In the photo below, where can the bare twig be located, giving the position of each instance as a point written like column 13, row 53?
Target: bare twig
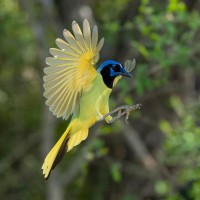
column 139, row 148
column 127, row 110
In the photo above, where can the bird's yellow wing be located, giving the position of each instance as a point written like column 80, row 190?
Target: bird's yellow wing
column 71, row 69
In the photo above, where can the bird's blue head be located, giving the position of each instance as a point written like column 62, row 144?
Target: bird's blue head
column 110, row 69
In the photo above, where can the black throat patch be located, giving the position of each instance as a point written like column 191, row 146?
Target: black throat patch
column 108, row 80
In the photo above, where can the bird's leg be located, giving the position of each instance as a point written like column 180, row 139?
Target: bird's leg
column 119, row 113
column 127, row 116
column 122, row 110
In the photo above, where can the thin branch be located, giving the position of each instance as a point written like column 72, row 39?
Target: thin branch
column 127, row 111
column 139, row 148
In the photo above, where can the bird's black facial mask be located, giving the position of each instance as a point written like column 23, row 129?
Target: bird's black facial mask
column 118, row 69
column 111, row 71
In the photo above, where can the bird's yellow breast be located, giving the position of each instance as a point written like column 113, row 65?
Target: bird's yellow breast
column 92, row 101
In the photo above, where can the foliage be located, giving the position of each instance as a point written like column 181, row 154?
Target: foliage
column 182, row 148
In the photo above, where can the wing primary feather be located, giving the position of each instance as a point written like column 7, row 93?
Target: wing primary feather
column 65, row 46
column 94, row 37
column 53, row 61
column 100, row 45
column 72, row 41
column 53, row 98
column 69, row 98
column 78, row 34
column 61, row 54
column 70, row 105
column 52, row 90
column 67, row 112
column 66, row 64
column 56, row 76
column 55, row 91
column 55, row 83
column 55, row 86
column 87, row 33
column 55, row 69
column 61, row 107
column 67, row 103
column 59, row 102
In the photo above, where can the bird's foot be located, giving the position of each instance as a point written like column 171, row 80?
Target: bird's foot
column 122, row 110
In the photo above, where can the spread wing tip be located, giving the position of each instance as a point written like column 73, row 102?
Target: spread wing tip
column 130, row 65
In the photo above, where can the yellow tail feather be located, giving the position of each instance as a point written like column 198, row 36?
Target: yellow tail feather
column 76, row 138
column 68, row 140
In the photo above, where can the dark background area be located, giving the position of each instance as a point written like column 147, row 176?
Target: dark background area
column 157, row 155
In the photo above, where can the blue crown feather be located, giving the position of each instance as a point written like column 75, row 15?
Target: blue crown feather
column 108, row 62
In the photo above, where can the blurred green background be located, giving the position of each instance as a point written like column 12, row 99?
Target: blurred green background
column 157, row 155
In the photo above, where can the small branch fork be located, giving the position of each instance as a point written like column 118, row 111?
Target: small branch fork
column 122, row 110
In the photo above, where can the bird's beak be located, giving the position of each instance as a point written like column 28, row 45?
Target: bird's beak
column 125, row 73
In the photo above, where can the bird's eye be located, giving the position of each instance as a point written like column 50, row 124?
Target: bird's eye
column 117, row 68
column 113, row 66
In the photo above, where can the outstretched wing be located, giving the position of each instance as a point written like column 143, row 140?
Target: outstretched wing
column 71, row 69
column 129, row 65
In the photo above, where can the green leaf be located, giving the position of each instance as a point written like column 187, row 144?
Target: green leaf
column 166, row 127
column 162, row 187
column 115, row 172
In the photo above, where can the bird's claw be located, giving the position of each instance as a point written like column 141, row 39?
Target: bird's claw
column 122, row 110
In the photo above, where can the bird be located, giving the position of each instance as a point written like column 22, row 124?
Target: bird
column 74, row 87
